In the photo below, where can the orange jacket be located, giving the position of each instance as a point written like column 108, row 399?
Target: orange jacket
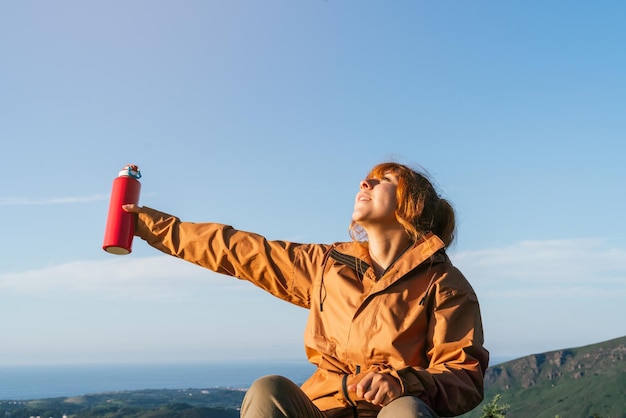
column 419, row 322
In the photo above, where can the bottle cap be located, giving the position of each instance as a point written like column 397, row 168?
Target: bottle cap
column 131, row 170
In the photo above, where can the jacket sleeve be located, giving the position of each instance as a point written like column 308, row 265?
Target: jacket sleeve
column 281, row 268
column 453, row 382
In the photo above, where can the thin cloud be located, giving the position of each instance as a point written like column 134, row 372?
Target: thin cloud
column 537, row 296
column 24, row 201
column 160, row 277
column 553, row 268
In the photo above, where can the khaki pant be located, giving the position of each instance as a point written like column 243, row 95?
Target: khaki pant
column 278, row 397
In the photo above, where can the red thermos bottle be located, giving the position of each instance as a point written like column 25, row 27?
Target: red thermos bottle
column 120, row 227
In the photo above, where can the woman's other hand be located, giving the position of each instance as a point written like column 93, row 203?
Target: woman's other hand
column 377, row 388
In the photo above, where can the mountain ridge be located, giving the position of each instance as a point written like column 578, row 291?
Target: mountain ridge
column 581, row 382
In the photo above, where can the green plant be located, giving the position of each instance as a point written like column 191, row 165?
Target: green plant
column 494, row 409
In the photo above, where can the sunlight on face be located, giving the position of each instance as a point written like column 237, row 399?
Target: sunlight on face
column 376, row 201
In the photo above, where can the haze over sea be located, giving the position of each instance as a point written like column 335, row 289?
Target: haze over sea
column 49, row 381
column 26, row 382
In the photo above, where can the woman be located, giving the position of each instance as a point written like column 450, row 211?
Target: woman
column 394, row 328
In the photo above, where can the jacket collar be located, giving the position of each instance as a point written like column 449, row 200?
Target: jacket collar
column 356, row 256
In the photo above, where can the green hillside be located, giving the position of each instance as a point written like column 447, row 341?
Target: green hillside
column 581, row 382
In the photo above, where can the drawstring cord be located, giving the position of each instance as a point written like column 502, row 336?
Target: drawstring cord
column 322, row 285
column 322, row 293
column 346, row 395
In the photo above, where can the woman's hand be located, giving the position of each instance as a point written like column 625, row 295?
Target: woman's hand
column 377, row 388
column 131, row 208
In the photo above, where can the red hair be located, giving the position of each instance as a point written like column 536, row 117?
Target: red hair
column 420, row 208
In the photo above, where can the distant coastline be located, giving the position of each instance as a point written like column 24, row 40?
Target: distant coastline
column 25, row 382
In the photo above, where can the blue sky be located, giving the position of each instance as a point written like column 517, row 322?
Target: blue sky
column 265, row 115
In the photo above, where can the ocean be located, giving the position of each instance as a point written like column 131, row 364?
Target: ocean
column 52, row 381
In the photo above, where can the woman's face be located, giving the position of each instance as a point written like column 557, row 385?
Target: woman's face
column 376, row 201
